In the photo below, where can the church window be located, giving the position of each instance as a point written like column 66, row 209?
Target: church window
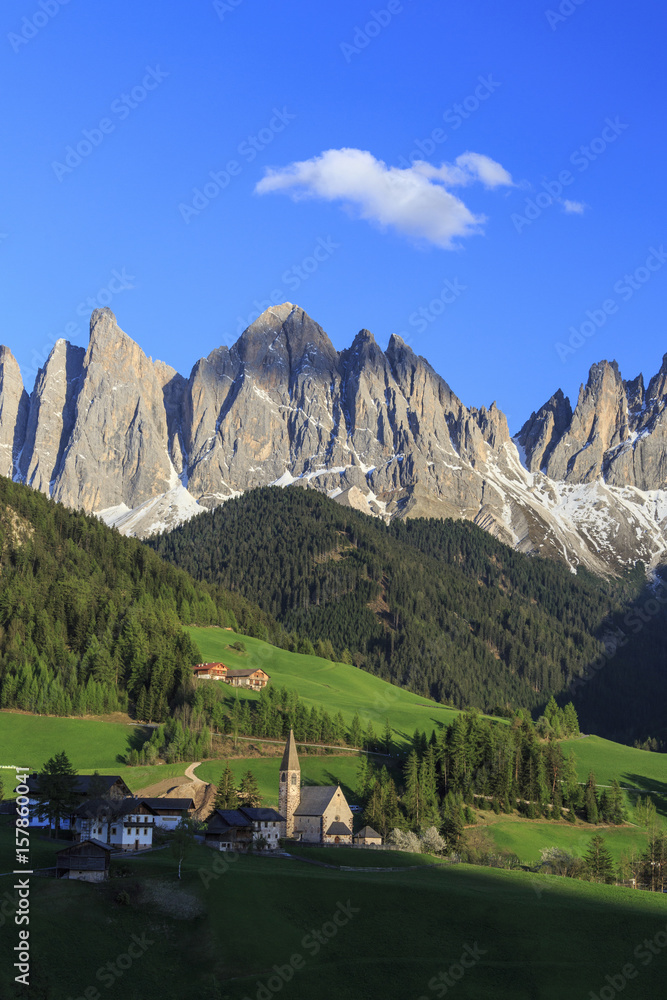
column 283, row 776
column 294, row 779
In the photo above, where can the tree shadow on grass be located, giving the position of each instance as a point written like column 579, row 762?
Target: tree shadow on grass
column 135, row 741
column 647, row 786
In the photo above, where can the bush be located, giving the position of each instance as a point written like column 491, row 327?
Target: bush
column 432, row 842
column 405, row 840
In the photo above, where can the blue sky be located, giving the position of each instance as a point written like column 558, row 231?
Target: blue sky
column 327, row 108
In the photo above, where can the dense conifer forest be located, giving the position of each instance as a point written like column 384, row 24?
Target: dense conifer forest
column 439, row 607
column 91, row 621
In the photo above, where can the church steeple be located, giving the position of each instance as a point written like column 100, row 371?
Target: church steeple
column 289, row 792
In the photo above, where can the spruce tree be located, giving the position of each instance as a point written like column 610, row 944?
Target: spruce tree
column 248, row 793
column 590, row 800
column 56, row 790
column 226, row 796
column 412, row 798
column 598, row 862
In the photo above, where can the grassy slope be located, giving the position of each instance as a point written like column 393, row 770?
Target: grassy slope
column 328, row 770
column 30, row 740
column 335, row 686
column 541, row 937
column 526, row 838
column 91, row 745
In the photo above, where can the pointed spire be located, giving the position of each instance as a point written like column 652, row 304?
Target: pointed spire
column 290, row 761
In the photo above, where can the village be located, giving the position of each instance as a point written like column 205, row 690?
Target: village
column 110, row 821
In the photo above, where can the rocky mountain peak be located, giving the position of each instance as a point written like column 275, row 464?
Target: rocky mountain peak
column 14, row 404
column 109, row 430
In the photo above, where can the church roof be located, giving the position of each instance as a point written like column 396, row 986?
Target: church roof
column 338, row 830
column 290, row 761
column 368, row 832
column 315, row 799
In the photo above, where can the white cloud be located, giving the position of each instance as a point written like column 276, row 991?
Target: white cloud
column 576, row 207
column 413, row 201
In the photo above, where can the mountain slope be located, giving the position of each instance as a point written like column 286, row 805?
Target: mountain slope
column 88, row 618
column 439, row 607
column 111, row 431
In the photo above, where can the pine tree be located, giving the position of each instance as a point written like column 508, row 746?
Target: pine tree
column 590, row 800
column 653, row 862
column 412, row 798
column 226, row 795
column 356, row 734
column 598, row 862
column 56, row 790
column 387, row 737
column 248, row 793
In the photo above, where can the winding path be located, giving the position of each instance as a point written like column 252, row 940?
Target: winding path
column 190, row 773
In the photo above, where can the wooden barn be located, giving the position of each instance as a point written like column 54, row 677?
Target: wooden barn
column 87, row 861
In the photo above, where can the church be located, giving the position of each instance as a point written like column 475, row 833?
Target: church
column 316, row 814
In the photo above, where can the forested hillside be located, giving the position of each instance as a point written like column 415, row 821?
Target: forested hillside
column 89, row 619
column 439, row 607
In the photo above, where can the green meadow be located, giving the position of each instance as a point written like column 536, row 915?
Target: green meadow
column 29, row 740
column 335, row 686
column 526, row 838
column 264, row 927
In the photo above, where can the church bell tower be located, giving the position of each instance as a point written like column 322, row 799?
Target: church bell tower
column 289, row 794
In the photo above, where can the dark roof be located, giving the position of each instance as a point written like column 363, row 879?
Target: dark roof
column 178, row 805
column 111, row 808
column 73, row 848
column 83, row 782
column 367, row 831
column 315, row 799
column 227, row 818
column 338, row 830
column 262, row 814
column 290, row 761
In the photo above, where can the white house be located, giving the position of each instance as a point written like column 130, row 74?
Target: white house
column 169, row 812
column 113, row 786
column 126, row 825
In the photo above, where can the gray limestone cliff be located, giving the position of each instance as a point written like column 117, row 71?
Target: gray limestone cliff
column 109, row 430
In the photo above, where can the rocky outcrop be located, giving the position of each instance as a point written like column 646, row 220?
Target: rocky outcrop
column 109, row 430
column 14, row 406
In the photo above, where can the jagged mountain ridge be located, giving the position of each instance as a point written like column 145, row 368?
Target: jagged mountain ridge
column 111, row 431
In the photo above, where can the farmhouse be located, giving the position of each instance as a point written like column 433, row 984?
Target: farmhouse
column 210, row 671
column 237, row 829
column 111, row 785
column 253, row 679
column 169, row 812
column 87, row 861
column 248, row 678
column 316, row 814
column 124, row 824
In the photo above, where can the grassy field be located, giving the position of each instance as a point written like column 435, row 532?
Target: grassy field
column 526, row 838
column 335, row 686
column 383, row 936
column 90, row 744
column 29, row 740
column 638, row 769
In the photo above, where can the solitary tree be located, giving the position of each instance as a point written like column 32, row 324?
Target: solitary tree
column 598, row 861
column 183, row 840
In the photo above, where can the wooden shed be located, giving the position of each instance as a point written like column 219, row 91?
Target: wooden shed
column 87, row 861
